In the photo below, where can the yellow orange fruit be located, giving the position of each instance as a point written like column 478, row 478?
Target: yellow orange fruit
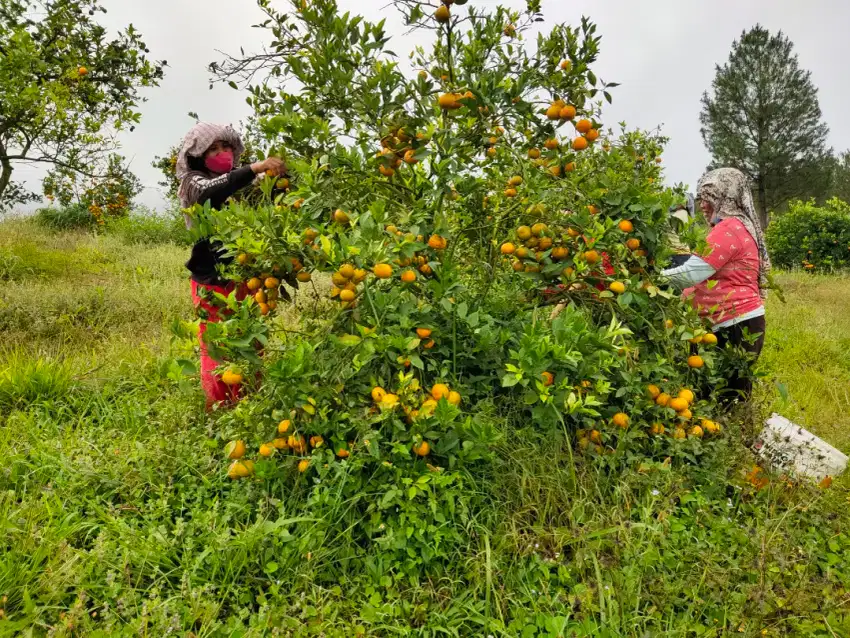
column 710, row 339
column 626, row 226
column 595, row 436
column 568, row 112
column 235, row 450
column 592, row 135
column 523, row 232
column 679, row 433
column 440, row 391
column 442, row 14
column 240, row 469
column 82, row 71
column 408, row 276
column 696, row 431
column 657, row 429
column 341, row 217
column 633, row 243
column 383, row 271
column 343, row 453
column 231, row 377
column 663, row 399
column 617, row 287
column 534, row 153
column 389, row 400
column 551, row 144
column 591, row 257
column 423, row 333
column 686, row 414
column 304, row 277
column 303, row 465
column 570, row 167
column 378, row 393
column 436, row 242
column 580, row 143
column 266, row 450
column 272, row 283
column 516, row 180
column 565, row 65
column 687, row 395
column 254, row 284
column 283, row 426
column 653, row 391
column 583, row 126
column 554, row 110
column 695, row 361
column 454, row 398
column 678, row 404
column 548, row 378
column 316, row 441
column 621, row 420
column 508, row 248
column 422, row 449
column 510, row 192
column 280, row 444
column 668, row 323
column 347, row 295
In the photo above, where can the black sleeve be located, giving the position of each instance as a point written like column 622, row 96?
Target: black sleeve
column 216, row 190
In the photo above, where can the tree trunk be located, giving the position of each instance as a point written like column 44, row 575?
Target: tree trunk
column 761, row 202
column 6, row 172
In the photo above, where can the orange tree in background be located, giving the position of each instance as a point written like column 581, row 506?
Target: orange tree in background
column 430, row 222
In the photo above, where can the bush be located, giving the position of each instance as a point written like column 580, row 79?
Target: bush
column 143, row 226
column 812, row 237
column 71, row 217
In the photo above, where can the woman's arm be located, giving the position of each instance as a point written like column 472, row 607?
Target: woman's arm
column 694, row 271
column 217, row 190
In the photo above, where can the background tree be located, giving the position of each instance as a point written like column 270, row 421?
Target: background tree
column 66, row 86
column 763, row 118
column 841, row 177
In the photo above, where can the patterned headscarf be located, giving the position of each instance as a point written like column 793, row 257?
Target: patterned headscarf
column 195, row 144
column 728, row 192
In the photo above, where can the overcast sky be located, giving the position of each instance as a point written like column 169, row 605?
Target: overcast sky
column 662, row 52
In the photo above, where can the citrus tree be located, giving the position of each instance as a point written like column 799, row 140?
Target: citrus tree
column 433, row 218
column 67, row 86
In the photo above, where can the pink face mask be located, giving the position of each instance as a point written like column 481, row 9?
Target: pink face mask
column 221, row 163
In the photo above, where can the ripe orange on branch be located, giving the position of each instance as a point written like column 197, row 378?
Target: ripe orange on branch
column 583, row 126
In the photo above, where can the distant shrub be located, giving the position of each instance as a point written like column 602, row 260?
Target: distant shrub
column 811, row 237
column 70, row 217
column 143, row 226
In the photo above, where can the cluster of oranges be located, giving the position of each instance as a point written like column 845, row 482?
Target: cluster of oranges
column 287, row 440
column 561, row 112
column 681, row 406
column 398, row 148
column 537, row 246
column 345, row 282
column 266, row 291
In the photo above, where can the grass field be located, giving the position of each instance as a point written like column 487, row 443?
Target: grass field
column 116, row 518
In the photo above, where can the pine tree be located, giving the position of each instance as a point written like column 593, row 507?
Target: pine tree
column 763, row 118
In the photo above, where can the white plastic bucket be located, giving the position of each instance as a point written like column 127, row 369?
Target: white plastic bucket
column 787, row 446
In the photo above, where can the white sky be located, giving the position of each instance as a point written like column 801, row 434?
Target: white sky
column 662, row 52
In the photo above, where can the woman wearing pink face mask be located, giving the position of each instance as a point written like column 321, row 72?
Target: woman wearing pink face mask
column 207, row 173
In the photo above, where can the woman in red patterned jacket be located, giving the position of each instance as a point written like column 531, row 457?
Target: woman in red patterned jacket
column 207, row 173
column 729, row 284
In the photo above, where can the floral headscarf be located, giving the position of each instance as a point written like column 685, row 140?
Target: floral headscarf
column 195, row 144
column 728, row 192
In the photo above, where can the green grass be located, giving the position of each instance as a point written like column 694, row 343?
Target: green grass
column 117, row 519
column 807, row 351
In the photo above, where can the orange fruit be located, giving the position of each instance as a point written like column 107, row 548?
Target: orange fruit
column 583, row 126
column 517, row 266
column 573, row 232
column 240, row 469
column 548, row 378
column 686, row 414
column 508, row 248
column 304, row 277
column 568, row 112
column 555, row 171
column 264, row 309
column 695, row 361
column 579, row 143
column 408, row 276
column 378, row 393
column 383, row 271
column 303, row 465
column 534, row 153
column 254, row 284
column 272, row 304
column 243, row 259
column 425, row 269
column 272, row 282
column 82, row 71
column 570, row 167
column 687, row 395
column 545, row 243
column 617, row 287
column 347, row 295
column 280, row 444
column 641, row 253
column 429, row 344
column 657, row 429
column 678, row 404
column 410, row 157
column 668, row 324
column 653, row 391
column 596, row 436
column 593, row 209
column 442, row 14
column 565, row 65
column 343, row 453
column 621, row 420
column 591, row 257
column 449, row 101
column 347, row 271
column 316, row 441
column 235, row 450
column 436, row 242
column 663, row 399
column 359, row 275
column 454, row 398
column 658, row 160
column 710, row 339
column 696, row 431
column 626, row 226
column 389, row 401
column 440, row 391
column 423, row 333
column 338, row 279
column 592, row 135
column 559, row 253
column 554, row 111
column 510, row 192
column 679, row 434
column 266, row 450
column 386, row 171
column 341, row 217
column 422, row 449
column 231, row 377
column 633, row 243
column 491, row 152
column 538, row 229
column 516, row 180
column 522, row 252
column 283, row 426
column 260, row 297
column 551, row 144
column 523, row 232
